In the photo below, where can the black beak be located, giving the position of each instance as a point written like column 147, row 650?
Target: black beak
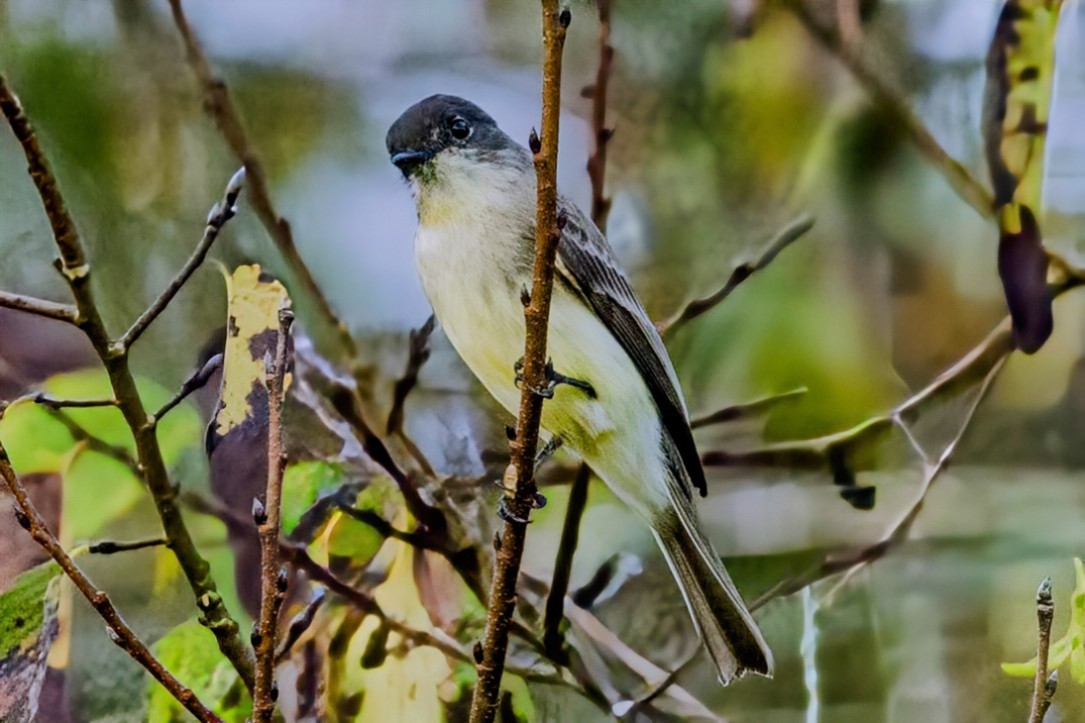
column 409, row 161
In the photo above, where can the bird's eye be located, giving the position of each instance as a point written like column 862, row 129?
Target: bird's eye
column 459, row 128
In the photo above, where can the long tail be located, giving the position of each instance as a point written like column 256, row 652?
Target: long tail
column 725, row 626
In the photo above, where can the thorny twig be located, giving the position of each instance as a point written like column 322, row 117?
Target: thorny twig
column 118, row 630
column 418, row 354
column 784, row 238
column 220, row 106
column 521, row 472
column 1043, row 686
column 75, row 268
column 600, row 210
column 267, row 516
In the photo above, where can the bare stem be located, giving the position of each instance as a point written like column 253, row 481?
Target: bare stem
column 39, row 307
column 1042, row 690
column 563, row 565
column 783, row 238
column 196, row 381
column 220, row 214
column 220, row 106
column 119, row 631
column 273, row 580
column 75, row 269
column 521, row 473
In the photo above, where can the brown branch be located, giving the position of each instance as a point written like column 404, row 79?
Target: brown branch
column 39, row 307
column 974, row 193
column 520, row 475
column 195, row 381
column 220, row 214
column 268, row 516
column 597, row 162
column 563, row 565
column 1043, row 687
column 76, row 271
column 220, row 106
column 126, row 638
column 783, row 238
column 418, row 355
column 600, row 209
column 898, row 534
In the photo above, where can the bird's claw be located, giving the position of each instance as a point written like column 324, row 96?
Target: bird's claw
column 508, row 515
column 553, row 379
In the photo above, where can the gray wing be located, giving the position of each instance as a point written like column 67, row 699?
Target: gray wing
column 587, row 265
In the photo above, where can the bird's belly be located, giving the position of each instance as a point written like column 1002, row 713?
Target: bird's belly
column 483, row 318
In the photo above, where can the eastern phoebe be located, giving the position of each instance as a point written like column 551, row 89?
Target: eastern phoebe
column 474, row 188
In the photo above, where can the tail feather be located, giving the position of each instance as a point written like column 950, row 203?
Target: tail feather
column 725, row 626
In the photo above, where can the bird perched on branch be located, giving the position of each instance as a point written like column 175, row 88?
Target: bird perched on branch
column 616, row 400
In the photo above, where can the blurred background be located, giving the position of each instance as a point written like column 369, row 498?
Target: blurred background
column 730, row 120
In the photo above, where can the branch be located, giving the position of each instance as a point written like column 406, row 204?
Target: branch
column 220, row 106
column 76, row 271
column 783, row 238
column 126, row 638
column 95, row 443
column 563, row 565
column 746, row 409
column 974, row 193
column 1043, row 687
column 898, row 534
column 196, row 380
column 109, row 547
column 521, row 471
column 299, row 624
column 418, row 355
column 600, row 209
column 220, row 214
column 53, row 403
column 39, row 307
column 267, row 515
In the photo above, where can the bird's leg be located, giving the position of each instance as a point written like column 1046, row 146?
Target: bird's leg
column 552, row 445
column 553, row 379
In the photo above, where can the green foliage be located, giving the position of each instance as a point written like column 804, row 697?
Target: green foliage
column 191, row 655
column 1070, row 646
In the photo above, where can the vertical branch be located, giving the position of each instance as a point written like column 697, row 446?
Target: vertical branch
column 118, row 630
column 600, row 209
column 75, row 269
column 1043, row 687
column 273, row 579
column 520, row 475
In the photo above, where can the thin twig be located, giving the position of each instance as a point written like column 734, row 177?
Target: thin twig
column 600, row 210
column 39, row 307
column 644, row 701
column 417, row 356
column 267, row 515
column 220, row 214
column 563, row 564
column 29, row 518
column 898, row 534
column 784, row 238
column 75, row 269
column 746, row 409
column 220, row 106
column 1045, row 614
column 110, row 547
column 521, row 471
column 93, row 442
column 195, row 381
column 299, row 624
column 53, row 403
column 960, row 178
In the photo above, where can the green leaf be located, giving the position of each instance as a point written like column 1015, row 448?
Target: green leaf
column 347, row 537
column 190, row 653
column 303, row 484
column 28, row 627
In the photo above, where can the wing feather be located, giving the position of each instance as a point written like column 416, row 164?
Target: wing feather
column 587, row 265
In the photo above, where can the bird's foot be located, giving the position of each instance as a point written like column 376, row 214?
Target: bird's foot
column 508, row 515
column 553, row 379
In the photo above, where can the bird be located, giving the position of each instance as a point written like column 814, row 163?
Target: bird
column 616, row 402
